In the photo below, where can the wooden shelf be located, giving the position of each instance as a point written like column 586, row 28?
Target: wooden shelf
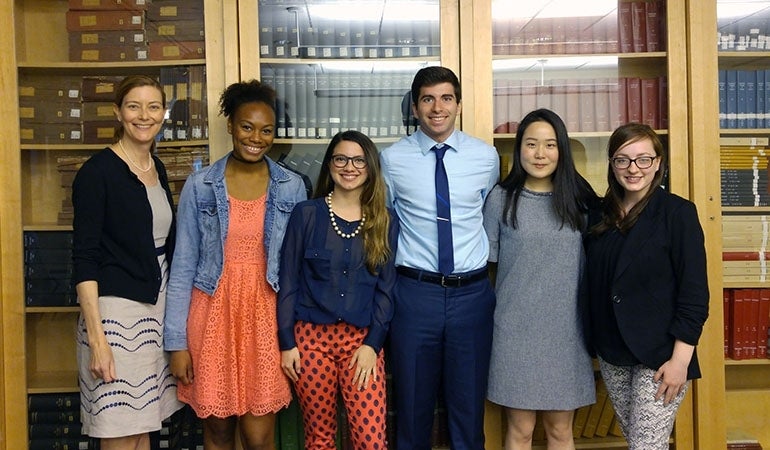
column 641, row 55
column 96, row 147
column 81, row 67
column 747, row 362
column 351, row 62
column 52, row 382
column 52, row 309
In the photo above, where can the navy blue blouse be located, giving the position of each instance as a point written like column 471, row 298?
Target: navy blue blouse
column 324, row 279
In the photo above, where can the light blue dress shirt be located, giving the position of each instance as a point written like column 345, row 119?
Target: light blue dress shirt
column 473, row 168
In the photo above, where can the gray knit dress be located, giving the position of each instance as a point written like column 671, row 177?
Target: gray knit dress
column 539, row 360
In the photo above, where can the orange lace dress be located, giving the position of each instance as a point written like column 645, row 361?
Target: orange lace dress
column 232, row 335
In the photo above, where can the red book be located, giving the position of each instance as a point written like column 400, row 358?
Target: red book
column 559, row 97
column 559, row 36
column 652, row 22
column 726, row 299
column 613, row 104
column 752, row 323
column 663, row 102
column 602, row 104
column 514, row 104
column 571, row 37
column 639, row 26
column 622, row 102
column 500, row 101
column 735, row 350
column 650, row 102
column 572, row 117
column 634, row 99
column 625, row 32
column 587, row 108
column 528, row 96
column 745, row 256
column 586, row 34
column 764, row 322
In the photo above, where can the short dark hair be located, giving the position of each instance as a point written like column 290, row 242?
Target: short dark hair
column 252, row 91
column 431, row 76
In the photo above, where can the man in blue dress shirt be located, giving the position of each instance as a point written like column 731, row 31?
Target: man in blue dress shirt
column 442, row 329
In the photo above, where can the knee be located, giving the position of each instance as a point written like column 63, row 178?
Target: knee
column 262, row 440
column 219, row 432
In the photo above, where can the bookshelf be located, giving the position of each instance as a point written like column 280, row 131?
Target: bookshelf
column 743, row 68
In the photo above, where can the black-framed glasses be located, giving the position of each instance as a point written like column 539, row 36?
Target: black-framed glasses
column 642, row 162
column 340, row 161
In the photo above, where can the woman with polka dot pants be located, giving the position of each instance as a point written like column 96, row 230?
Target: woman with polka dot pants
column 335, row 303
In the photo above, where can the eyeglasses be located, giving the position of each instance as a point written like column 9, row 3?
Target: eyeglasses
column 642, row 162
column 340, row 161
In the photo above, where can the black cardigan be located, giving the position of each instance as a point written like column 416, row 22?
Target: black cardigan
column 113, row 240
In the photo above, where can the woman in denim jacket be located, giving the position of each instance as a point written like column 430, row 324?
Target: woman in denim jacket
column 221, row 312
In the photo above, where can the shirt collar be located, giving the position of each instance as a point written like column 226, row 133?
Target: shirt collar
column 426, row 144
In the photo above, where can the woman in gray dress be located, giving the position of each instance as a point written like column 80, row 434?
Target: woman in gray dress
column 534, row 219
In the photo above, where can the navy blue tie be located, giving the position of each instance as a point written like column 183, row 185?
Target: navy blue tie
column 446, row 260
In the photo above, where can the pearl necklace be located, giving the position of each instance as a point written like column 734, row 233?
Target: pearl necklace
column 120, row 143
column 334, row 221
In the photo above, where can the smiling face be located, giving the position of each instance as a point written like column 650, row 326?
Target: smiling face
column 252, row 126
column 539, row 156
column 141, row 113
column 635, row 181
column 348, row 177
column 436, row 109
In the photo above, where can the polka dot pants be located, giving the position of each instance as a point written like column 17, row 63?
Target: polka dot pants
column 325, row 352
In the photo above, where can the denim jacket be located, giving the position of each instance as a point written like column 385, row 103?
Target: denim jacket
column 202, row 224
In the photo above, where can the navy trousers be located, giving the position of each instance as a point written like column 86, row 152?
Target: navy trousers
column 441, row 338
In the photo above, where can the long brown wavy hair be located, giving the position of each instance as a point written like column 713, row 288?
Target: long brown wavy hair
column 613, row 207
column 375, row 230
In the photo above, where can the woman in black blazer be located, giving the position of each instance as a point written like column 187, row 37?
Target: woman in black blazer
column 648, row 292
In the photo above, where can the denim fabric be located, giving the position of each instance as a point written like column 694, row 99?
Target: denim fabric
column 202, row 223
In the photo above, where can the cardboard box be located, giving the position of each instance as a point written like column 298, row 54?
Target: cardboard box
column 165, row 10
column 46, row 111
column 181, row 30
column 105, row 20
column 177, row 50
column 109, row 53
column 91, row 5
column 115, row 37
column 50, row 88
column 51, row 133
column 99, row 132
column 100, row 89
column 98, row 111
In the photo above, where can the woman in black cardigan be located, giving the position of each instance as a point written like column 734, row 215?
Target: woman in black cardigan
column 648, row 291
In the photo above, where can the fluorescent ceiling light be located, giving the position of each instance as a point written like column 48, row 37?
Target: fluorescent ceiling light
column 368, row 10
column 508, row 9
column 727, row 9
column 577, row 62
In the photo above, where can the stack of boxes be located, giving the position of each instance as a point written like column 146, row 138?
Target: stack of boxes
column 135, row 30
column 175, row 29
column 50, row 112
column 107, row 30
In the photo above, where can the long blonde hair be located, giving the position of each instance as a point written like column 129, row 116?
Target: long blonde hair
column 375, row 230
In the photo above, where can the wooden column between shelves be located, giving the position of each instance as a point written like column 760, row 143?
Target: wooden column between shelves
column 13, row 432
column 703, row 126
column 221, row 21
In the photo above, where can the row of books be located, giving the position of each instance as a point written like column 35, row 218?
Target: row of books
column 48, row 269
column 744, row 177
column 597, row 420
column 744, row 98
column 741, row 34
column 584, row 105
column 292, row 33
column 54, row 424
column 313, row 103
column 637, row 26
column 747, row 316
column 179, row 162
column 744, row 241
column 135, row 30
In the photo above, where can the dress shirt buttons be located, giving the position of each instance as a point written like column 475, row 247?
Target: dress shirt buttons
column 616, row 298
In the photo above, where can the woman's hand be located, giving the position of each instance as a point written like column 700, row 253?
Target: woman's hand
column 365, row 360
column 672, row 375
column 290, row 364
column 181, row 366
column 102, row 364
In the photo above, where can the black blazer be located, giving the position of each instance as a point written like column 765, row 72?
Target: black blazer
column 660, row 288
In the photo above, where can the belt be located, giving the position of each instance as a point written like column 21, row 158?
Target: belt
column 447, row 281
